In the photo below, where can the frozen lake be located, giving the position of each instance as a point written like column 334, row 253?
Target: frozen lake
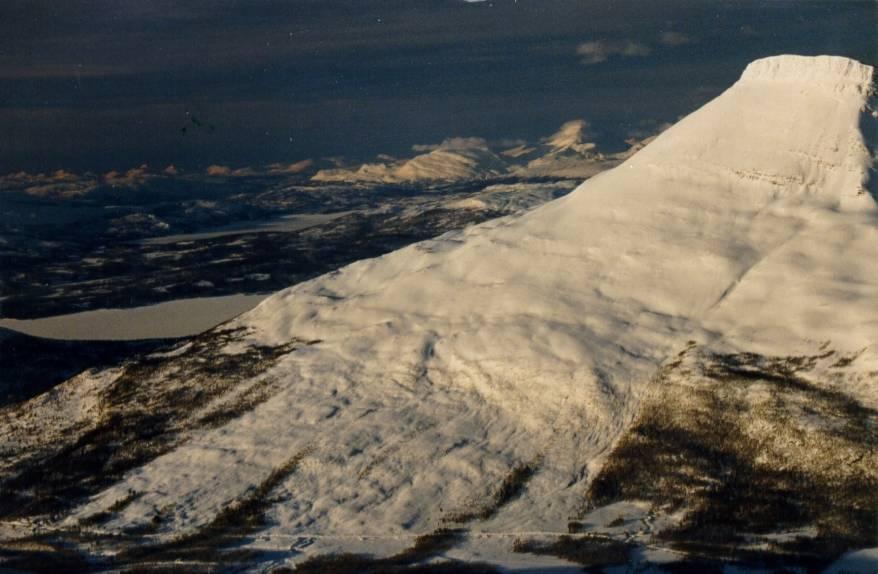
column 178, row 318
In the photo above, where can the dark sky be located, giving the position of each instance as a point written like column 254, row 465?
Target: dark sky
column 100, row 85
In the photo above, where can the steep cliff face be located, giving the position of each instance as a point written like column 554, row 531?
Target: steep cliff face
column 484, row 378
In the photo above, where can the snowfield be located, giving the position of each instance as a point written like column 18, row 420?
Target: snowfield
column 483, row 379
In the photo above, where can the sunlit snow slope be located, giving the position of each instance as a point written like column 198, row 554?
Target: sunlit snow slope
column 748, row 226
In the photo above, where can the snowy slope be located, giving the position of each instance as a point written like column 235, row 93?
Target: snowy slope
column 407, row 392
column 530, row 340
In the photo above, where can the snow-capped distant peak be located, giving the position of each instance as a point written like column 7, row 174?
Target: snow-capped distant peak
column 453, row 159
column 570, row 137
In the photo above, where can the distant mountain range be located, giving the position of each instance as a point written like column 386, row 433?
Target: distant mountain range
column 566, row 153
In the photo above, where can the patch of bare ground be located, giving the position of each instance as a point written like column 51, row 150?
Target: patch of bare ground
column 142, row 415
column 248, row 400
column 747, row 446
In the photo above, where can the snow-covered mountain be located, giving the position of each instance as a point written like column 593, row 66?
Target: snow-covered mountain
column 708, row 307
column 566, row 153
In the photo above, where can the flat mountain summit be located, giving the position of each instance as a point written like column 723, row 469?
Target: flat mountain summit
column 676, row 362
